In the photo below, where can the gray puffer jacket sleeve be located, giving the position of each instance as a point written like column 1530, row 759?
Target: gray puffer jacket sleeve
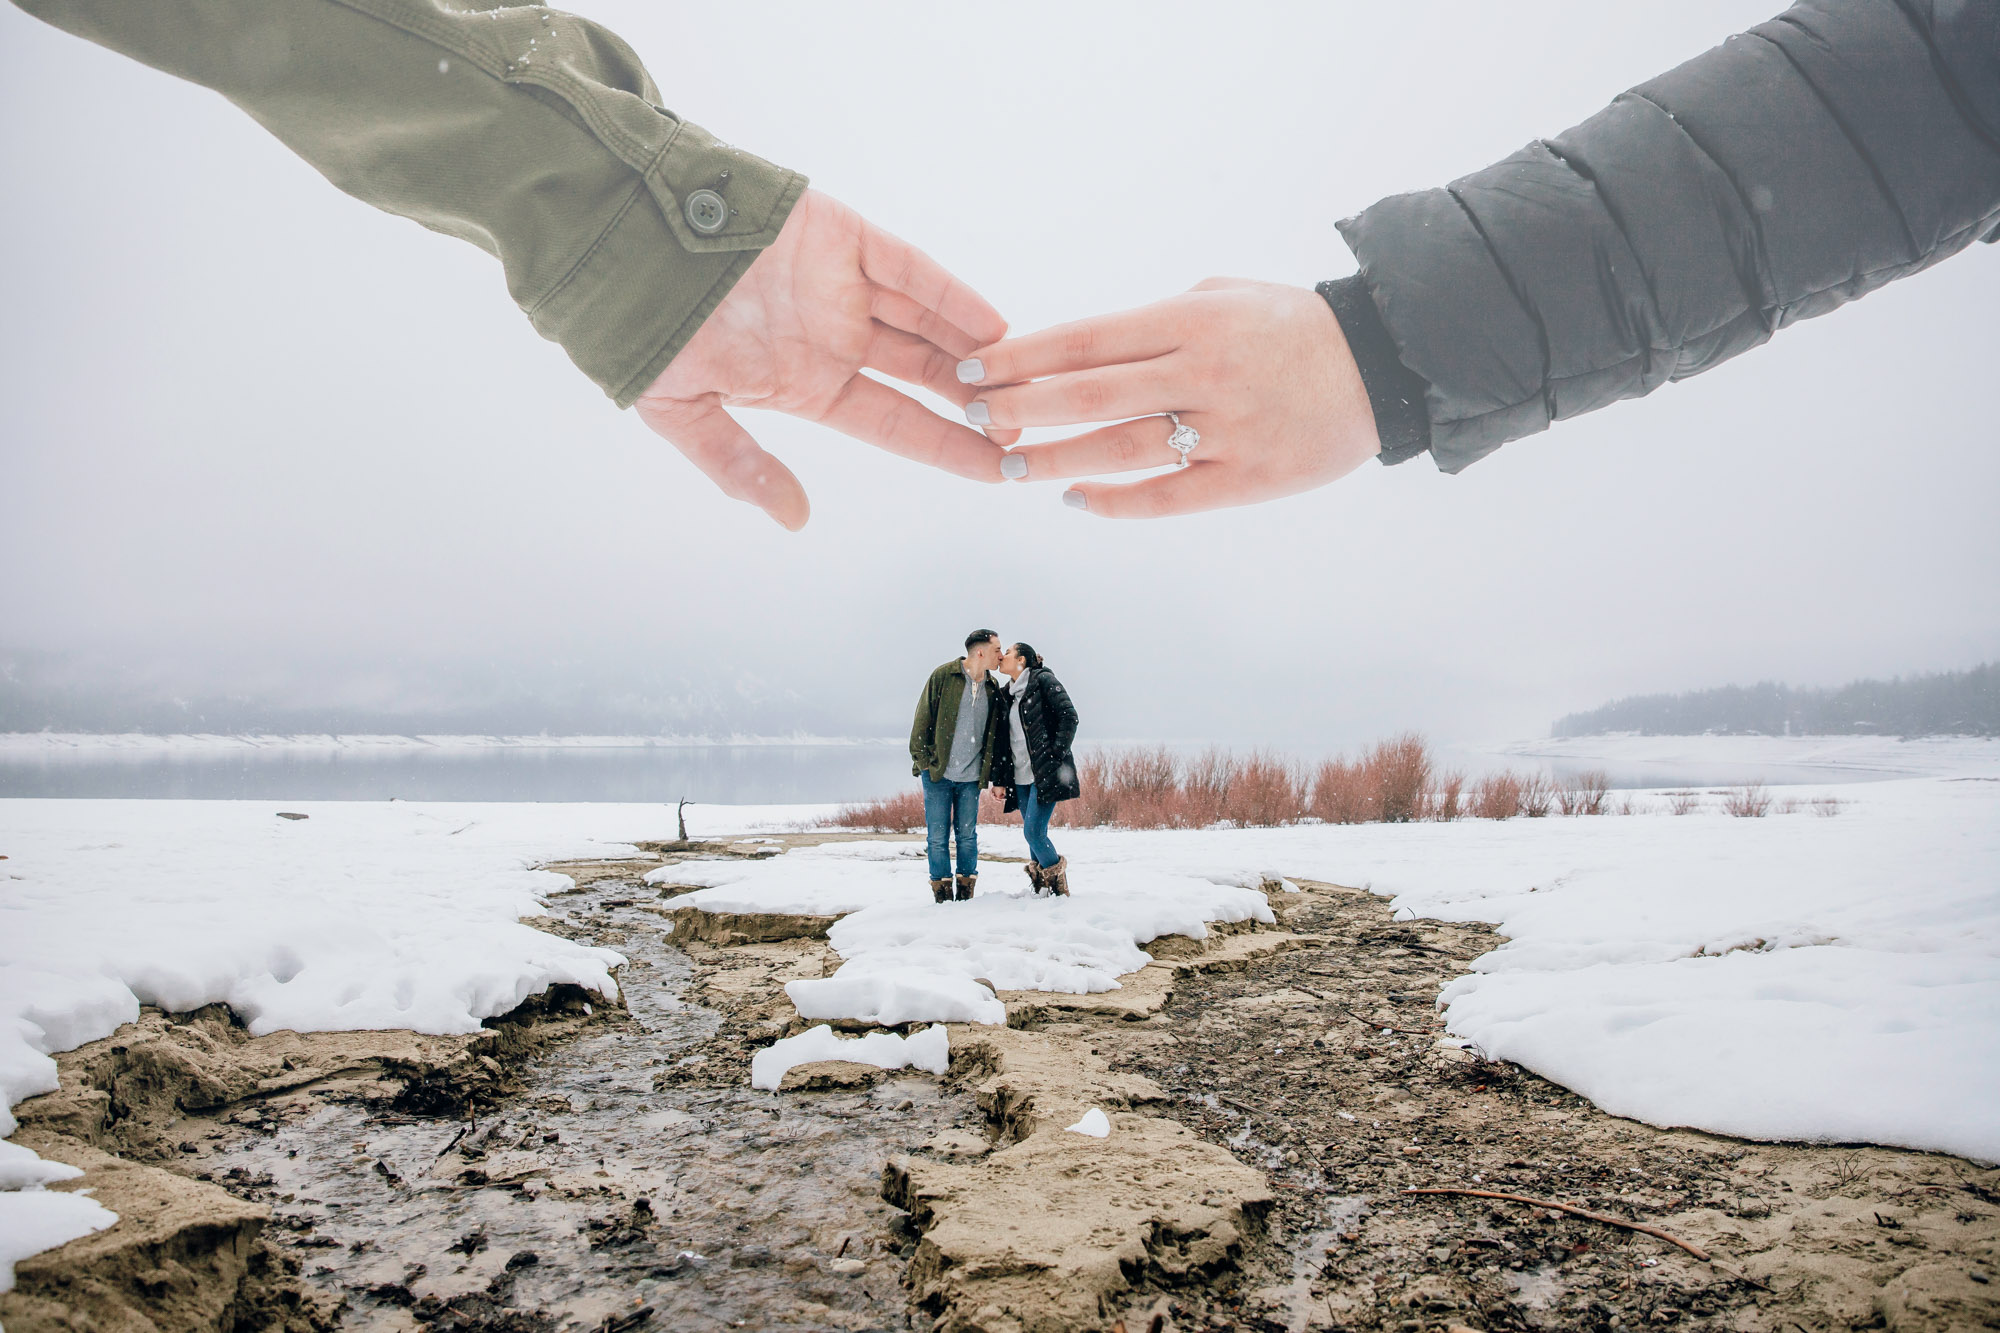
column 1795, row 167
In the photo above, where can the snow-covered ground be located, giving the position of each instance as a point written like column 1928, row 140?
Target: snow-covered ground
column 1838, row 757
column 362, row 915
column 1795, row 976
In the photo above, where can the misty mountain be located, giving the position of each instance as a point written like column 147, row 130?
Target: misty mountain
column 1948, row 703
column 48, row 692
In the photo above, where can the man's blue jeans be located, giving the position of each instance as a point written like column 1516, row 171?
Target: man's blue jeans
column 1035, row 823
column 951, row 808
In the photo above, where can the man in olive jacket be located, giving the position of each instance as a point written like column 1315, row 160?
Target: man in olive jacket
column 951, row 751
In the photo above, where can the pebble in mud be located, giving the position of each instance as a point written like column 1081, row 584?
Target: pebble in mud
column 588, row 1195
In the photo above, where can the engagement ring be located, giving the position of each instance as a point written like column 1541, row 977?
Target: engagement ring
column 1184, row 438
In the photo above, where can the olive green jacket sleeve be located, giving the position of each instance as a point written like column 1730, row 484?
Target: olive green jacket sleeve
column 532, row 133
column 937, row 715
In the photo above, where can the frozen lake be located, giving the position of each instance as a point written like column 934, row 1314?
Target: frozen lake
column 460, row 771
column 478, row 768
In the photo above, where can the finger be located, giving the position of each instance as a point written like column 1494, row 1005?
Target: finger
column 914, row 361
column 1187, row 490
column 871, row 411
column 901, row 312
column 901, row 267
column 1085, row 395
column 1104, row 340
column 1129, row 446
column 727, row 455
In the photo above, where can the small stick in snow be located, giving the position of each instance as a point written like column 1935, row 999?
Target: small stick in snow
column 1605, row 1218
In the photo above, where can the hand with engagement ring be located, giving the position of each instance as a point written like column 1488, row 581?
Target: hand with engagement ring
column 1246, row 390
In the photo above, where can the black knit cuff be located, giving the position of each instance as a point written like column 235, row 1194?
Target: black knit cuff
column 1402, row 421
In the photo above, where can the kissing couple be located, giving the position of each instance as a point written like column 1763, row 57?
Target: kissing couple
column 971, row 731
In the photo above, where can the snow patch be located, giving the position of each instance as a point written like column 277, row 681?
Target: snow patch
column 907, row 958
column 928, row 1050
column 1094, row 1123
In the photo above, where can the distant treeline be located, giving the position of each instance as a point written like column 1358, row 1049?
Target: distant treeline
column 1950, row 703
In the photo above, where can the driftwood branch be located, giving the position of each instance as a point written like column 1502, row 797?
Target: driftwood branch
column 1608, row 1220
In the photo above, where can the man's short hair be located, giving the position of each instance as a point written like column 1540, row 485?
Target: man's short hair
column 979, row 636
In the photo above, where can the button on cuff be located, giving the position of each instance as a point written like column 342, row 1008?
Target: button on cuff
column 706, row 212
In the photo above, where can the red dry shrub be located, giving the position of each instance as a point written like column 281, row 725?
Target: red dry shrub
column 1584, row 793
column 904, row 813
column 1399, row 770
column 1342, row 793
column 1146, row 788
column 901, row 813
column 1098, row 805
column 1496, row 796
column 1538, row 795
column 1750, row 801
column 1447, row 798
column 1205, row 785
column 1264, row 791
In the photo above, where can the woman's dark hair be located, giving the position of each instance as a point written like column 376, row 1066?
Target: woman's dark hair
column 1028, row 655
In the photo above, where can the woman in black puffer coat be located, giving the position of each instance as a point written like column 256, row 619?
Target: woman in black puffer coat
column 1032, row 760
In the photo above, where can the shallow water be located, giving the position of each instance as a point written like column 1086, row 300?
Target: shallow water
column 688, row 1208
column 711, row 774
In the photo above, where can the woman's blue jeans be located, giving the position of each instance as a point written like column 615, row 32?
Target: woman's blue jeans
column 1035, row 821
column 951, row 807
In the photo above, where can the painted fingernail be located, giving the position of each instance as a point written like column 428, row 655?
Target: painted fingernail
column 1076, row 500
column 978, row 414
column 1013, row 467
column 972, row 371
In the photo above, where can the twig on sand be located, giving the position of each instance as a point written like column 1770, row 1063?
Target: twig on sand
column 497, row 1183
column 1408, row 1032
column 1605, row 1218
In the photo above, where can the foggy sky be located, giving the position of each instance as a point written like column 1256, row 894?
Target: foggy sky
column 255, row 434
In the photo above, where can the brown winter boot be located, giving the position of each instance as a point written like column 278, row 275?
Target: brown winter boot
column 1057, row 877
column 941, row 890
column 1034, row 869
column 966, row 883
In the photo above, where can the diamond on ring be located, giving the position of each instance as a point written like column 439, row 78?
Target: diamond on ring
column 1183, row 440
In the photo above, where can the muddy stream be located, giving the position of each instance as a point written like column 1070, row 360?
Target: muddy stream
column 592, row 1199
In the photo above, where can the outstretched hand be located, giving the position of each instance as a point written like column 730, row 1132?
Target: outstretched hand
column 1261, row 370
column 831, row 295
